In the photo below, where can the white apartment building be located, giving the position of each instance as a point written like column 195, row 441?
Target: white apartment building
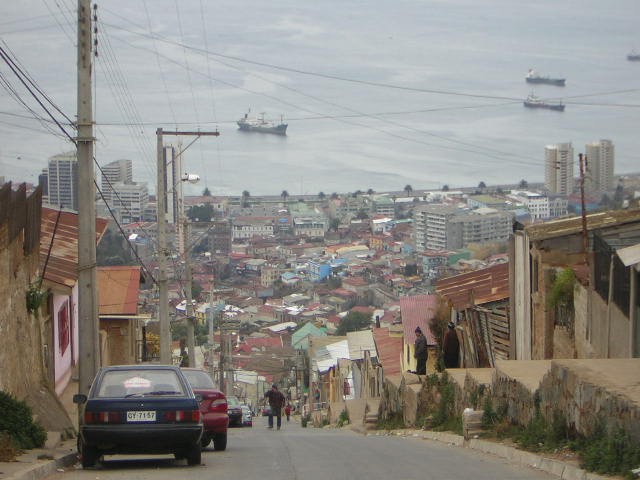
column 129, row 201
column 119, row 171
column 62, row 181
column 558, row 174
column 311, row 227
column 248, row 227
column 430, row 226
column 600, row 163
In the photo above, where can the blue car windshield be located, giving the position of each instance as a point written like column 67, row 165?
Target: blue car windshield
column 133, row 383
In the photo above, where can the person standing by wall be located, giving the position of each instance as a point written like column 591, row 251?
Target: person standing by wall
column 276, row 402
column 420, row 352
column 451, row 347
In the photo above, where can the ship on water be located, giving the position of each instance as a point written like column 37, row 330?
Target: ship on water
column 633, row 56
column 259, row 124
column 534, row 102
column 534, row 77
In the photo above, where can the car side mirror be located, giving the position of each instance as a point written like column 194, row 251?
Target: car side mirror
column 79, row 398
column 198, row 397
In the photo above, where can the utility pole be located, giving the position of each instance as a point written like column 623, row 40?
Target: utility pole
column 191, row 342
column 585, row 233
column 161, row 193
column 89, row 352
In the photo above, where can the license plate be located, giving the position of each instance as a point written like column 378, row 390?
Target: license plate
column 141, row 416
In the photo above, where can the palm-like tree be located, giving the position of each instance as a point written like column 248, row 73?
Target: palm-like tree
column 334, row 196
column 408, row 188
column 445, row 188
column 370, row 191
column 284, row 196
column 206, row 192
column 321, row 195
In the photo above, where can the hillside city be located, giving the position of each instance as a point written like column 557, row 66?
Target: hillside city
column 323, row 294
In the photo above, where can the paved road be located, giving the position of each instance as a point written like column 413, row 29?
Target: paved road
column 296, row 453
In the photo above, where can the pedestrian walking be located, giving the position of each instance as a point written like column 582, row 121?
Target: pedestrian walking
column 287, row 411
column 420, row 352
column 276, row 402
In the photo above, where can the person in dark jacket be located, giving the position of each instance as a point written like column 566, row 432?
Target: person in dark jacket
column 451, row 347
column 276, row 402
column 420, row 352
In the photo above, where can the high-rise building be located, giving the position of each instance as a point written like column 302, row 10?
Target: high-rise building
column 600, row 162
column 558, row 173
column 119, row 171
column 130, row 201
column 62, row 181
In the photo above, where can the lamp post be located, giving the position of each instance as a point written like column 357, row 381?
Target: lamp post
column 161, row 192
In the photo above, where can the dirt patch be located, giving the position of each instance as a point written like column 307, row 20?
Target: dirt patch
column 8, row 452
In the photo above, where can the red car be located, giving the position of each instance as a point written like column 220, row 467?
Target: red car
column 213, row 408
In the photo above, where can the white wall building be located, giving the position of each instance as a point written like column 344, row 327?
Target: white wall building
column 600, row 163
column 62, row 181
column 558, row 174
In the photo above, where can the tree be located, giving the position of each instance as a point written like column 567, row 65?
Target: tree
column 523, row 184
column 362, row 215
column 482, row 185
column 112, row 250
column 206, row 192
column 334, row 196
column 334, row 223
column 353, row 322
column 445, row 188
column 284, row 196
column 321, row 196
column 370, row 191
column 244, row 203
column 200, row 213
column 408, row 189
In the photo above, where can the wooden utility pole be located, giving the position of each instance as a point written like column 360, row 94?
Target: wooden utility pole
column 161, row 199
column 89, row 352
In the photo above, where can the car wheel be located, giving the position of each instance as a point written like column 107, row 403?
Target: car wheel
column 205, row 441
column 179, row 455
column 88, row 454
column 194, row 455
column 220, row 442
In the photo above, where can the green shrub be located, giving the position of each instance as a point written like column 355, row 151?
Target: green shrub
column 611, row 453
column 17, row 421
column 305, row 419
column 393, row 422
column 344, row 418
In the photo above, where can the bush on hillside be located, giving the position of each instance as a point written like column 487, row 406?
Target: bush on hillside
column 17, row 421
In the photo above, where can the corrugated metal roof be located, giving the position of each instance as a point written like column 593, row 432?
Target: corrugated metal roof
column 630, row 255
column 61, row 266
column 573, row 225
column 389, row 351
column 476, row 288
column 417, row 311
column 118, row 289
column 359, row 342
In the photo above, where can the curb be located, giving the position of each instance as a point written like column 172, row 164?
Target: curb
column 560, row 469
column 35, row 469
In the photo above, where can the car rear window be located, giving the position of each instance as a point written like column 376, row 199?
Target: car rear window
column 198, row 379
column 124, row 383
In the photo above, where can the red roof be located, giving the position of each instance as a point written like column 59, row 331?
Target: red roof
column 417, row 311
column 476, row 288
column 266, row 342
column 59, row 258
column 389, row 351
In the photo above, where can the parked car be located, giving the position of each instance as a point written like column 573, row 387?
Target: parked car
column 234, row 410
column 247, row 416
column 138, row 409
column 213, row 407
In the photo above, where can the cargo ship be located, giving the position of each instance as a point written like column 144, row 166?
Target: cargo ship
column 259, row 124
column 533, row 77
column 633, row 56
column 534, row 102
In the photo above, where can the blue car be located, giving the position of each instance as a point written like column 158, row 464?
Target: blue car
column 139, row 409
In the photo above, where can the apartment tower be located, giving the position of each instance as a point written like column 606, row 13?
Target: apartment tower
column 558, row 174
column 62, row 181
column 600, row 160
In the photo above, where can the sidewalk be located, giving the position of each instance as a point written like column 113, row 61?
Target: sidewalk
column 568, row 470
column 40, row 462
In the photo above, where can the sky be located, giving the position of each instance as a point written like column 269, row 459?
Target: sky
column 377, row 94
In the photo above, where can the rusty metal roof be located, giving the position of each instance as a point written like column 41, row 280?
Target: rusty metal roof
column 477, row 287
column 389, row 351
column 573, row 225
column 417, row 311
column 118, row 289
column 61, row 266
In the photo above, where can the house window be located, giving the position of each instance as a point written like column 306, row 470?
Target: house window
column 64, row 333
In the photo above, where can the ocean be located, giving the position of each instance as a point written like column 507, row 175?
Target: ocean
column 377, row 94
